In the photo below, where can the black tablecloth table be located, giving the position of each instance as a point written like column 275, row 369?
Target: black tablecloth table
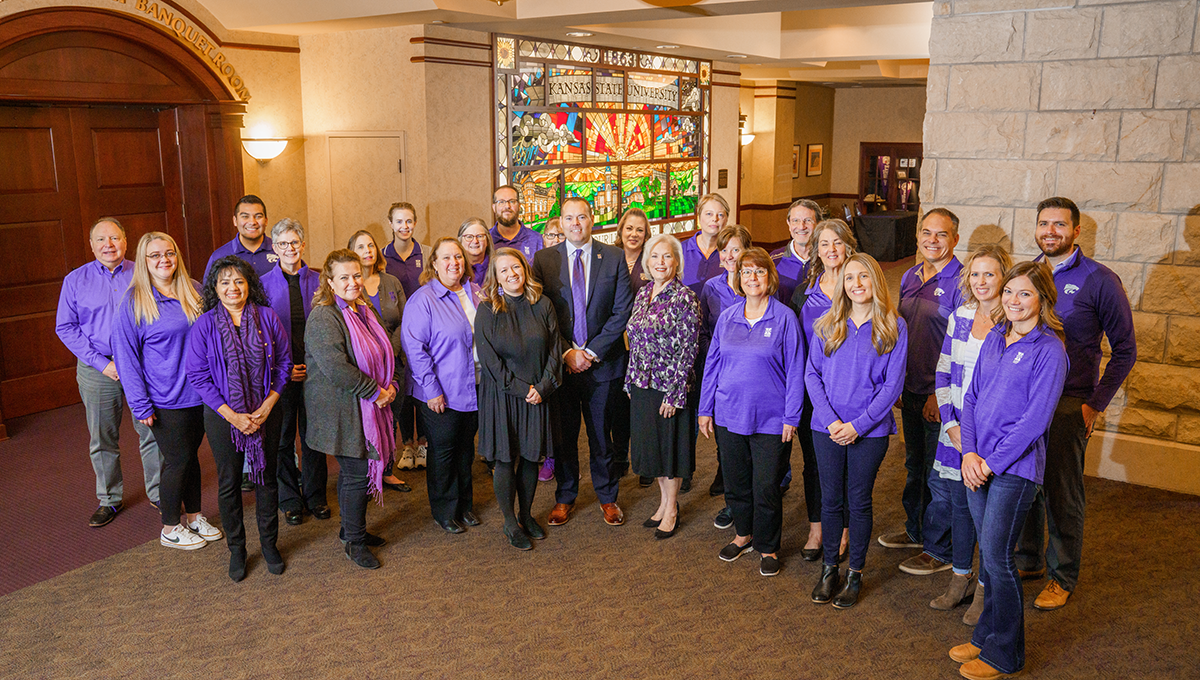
column 887, row 236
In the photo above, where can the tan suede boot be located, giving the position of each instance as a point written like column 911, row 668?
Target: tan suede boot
column 976, row 610
column 961, row 587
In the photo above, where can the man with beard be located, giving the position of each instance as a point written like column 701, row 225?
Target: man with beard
column 508, row 232
column 1091, row 303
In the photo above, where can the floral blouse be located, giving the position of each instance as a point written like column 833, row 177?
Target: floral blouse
column 664, row 337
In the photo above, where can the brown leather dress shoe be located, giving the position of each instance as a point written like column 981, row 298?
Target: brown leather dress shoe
column 613, row 514
column 560, row 515
column 1052, row 597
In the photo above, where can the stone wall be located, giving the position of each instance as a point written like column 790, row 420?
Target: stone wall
column 1099, row 102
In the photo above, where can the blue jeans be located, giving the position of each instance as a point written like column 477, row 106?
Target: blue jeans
column 847, row 478
column 949, row 531
column 920, row 445
column 999, row 509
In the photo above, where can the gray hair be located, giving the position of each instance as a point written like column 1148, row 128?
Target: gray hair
column 285, row 225
column 676, row 251
column 111, row 220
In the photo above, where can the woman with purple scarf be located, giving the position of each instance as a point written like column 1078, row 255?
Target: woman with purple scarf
column 351, row 385
column 238, row 361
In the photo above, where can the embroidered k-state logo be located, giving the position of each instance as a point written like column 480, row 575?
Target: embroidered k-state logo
column 767, row 333
column 1070, row 289
column 1017, row 359
column 938, row 292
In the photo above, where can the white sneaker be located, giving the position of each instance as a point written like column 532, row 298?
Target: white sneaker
column 421, row 453
column 182, row 538
column 206, row 531
column 407, row 459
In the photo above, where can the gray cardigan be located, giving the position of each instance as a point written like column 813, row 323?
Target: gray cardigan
column 334, row 386
column 391, row 302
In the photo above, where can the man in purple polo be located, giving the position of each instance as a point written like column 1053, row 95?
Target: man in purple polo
column 86, row 306
column 251, row 243
column 929, row 294
column 791, row 261
column 508, row 232
column 1091, row 303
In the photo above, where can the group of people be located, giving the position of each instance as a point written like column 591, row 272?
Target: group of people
column 523, row 337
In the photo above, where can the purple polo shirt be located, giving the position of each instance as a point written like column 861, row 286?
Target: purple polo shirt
column 438, row 342
column 752, row 380
column 1091, row 303
column 262, row 260
column 814, row 308
column 1008, row 408
column 150, row 358
column 276, row 287
column 716, row 297
column 206, row 368
column 926, row 307
column 89, row 301
column 696, row 268
column 527, row 241
column 856, row 385
column 479, row 271
column 408, row 271
column 791, row 270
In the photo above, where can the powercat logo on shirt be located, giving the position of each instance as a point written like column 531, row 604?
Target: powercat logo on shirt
column 1070, row 289
column 938, row 292
column 767, row 333
column 1017, row 359
column 272, row 258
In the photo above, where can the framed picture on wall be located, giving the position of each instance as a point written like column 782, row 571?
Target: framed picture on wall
column 795, row 161
column 815, row 160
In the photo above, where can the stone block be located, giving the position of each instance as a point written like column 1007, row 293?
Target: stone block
column 1062, row 34
column 985, row 6
column 1142, row 422
column 1193, row 146
column 979, row 226
column 1112, row 186
column 1151, row 333
column 1098, row 84
column 928, row 190
column 966, row 39
column 943, row 8
column 974, row 135
column 1187, row 430
column 1133, row 279
column 1146, row 237
column 1148, row 28
column 1079, row 136
column 1183, row 341
column 1152, row 136
column 936, row 82
column 1163, row 387
column 1171, row 289
column 1178, row 83
column 992, row 87
column 994, row 182
column 1181, row 187
column 1187, row 243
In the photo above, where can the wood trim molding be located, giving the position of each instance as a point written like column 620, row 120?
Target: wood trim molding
column 261, row 48
column 450, row 43
column 717, row 71
column 783, row 206
column 734, row 85
column 453, row 62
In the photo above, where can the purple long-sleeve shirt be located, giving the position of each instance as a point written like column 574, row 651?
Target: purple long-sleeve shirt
column 856, row 385
column 1009, row 406
column 926, row 306
column 408, row 271
column 752, row 378
column 276, row 287
column 438, row 341
column 696, row 268
column 791, row 270
column 814, row 308
column 89, row 301
column 527, row 241
column 1092, row 303
column 262, row 260
column 715, row 297
column 206, row 368
column 150, row 358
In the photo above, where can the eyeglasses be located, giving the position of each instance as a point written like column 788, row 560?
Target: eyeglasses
column 170, row 255
column 807, row 220
column 474, row 237
column 507, row 201
column 757, row 273
column 288, row 245
column 553, row 236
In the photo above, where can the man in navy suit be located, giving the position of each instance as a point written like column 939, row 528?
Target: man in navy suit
column 589, row 285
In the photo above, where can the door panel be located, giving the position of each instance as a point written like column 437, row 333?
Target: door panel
column 360, row 197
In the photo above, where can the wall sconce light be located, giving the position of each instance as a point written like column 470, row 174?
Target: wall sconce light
column 263, row 149
column 746, row 136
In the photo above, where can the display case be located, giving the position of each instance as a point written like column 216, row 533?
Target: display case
column 889, row 177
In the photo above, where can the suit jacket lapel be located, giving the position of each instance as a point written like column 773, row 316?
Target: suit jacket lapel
column 564, row 272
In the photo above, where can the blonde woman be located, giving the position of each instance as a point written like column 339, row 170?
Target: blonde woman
column 701, row 256
column 855, row 373
column 150, row 340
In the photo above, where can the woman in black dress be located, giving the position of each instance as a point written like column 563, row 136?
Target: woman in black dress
column 516, row 335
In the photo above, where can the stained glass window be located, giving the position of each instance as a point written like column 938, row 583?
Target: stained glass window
column 620, row 128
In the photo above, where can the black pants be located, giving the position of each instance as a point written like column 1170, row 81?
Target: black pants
column 753, row 467
column 618, row 419
column 352, row 486
column 812, row 480
column 303, row 487
column 451, row 436
column 404, row 410
column 920, row 447
column 179, row 433
column 229, row 481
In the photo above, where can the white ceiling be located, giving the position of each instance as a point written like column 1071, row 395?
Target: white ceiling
column 838, row 41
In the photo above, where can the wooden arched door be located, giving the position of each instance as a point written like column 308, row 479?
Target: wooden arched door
column 100, row 116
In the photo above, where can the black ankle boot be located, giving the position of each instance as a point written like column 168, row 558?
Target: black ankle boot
column 823, row 593
column 849, row 595
column 274, row 560
column 237, row 564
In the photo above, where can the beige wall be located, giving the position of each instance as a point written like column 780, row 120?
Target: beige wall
column 725, row 143
column 871, row 114
column 1100, row 104
column 814, row 125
